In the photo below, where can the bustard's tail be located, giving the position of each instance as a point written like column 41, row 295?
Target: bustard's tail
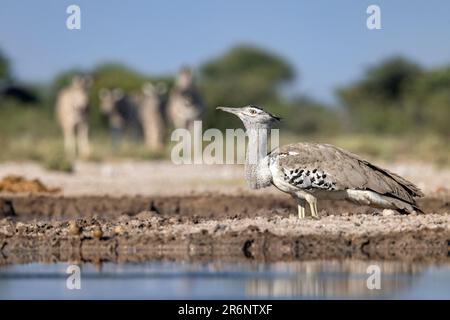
column 397, row 195
column 400, row 192
column 403, row 206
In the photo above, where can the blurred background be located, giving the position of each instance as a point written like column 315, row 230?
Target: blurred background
column 383, row 93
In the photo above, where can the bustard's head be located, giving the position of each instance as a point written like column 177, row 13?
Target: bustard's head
column 253, row 116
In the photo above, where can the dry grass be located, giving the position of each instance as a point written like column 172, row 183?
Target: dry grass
column 32, row 134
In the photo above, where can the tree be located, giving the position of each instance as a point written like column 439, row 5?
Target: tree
column 115, row 75
column 389, row 80
column 243, row 75
column 304, row 115
column 429, row 101
column 375, row 103
column 4, row 67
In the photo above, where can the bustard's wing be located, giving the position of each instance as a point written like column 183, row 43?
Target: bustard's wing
column 323, row 166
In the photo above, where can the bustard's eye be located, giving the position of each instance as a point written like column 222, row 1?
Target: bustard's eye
column 252, row 111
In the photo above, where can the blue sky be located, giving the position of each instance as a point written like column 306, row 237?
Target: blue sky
column 327, row 42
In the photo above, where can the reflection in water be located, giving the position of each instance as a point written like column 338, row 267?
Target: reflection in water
column 334, row 279
column 215, row 280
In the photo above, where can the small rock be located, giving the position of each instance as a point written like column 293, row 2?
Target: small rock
column 21, row 227
column 145, row 215
column 97, row 232
column 118, row 230
column 253, row 228
column 219, row 227
column 389, row 212
column 74, row 229
column 7, row 230
column 124, row 218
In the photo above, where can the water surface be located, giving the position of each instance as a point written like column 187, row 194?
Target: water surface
column 177, row 280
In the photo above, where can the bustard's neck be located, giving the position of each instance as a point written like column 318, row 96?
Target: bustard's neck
column 257, row 171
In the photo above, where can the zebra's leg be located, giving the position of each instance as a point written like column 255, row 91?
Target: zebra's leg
column 116, row 134
column 157, row 132
column 83, row 140
column 69, row 141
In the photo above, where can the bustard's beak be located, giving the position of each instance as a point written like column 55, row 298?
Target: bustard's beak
column 230, row 110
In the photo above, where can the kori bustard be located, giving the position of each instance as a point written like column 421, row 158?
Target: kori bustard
column 313, row 171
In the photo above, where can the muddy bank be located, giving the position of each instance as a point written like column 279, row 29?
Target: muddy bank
column 51, row 228
column 126, row 212
column 49, row 207
column 149, row 236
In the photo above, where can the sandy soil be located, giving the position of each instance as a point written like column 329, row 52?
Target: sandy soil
column 164, row 178
column 141, row 211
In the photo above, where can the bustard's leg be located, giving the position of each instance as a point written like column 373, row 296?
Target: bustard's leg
column 301, row 208
column 312, row 201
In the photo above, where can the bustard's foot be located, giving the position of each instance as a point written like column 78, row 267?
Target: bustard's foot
column 315, row 214
column 312, row 201
column 301, row 209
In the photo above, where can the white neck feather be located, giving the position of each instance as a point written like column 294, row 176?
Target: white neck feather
column 257, row 172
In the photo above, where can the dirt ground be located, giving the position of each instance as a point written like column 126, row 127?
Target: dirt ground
column 136, row 211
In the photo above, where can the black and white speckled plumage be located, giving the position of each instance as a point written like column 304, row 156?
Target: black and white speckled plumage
column 309, row 179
